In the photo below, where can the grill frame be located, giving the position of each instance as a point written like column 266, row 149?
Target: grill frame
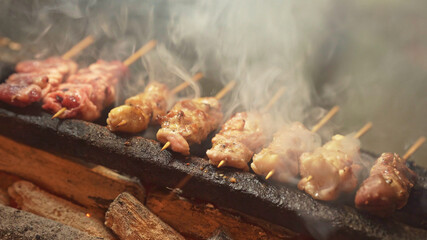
column 277, row 203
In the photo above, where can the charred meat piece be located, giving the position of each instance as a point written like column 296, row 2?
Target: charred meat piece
column 388, row 186
column 282, row 155
column 139, row 110
column 90, row 90
column 331, row 169
column 189, row 121
column 237, row 141
column 23, row 89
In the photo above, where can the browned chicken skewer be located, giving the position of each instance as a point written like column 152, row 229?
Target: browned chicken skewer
column 34, row 79
column 91, row 89
column 190, row 121
column 143, row 108
column 333, row 168
column 280, row 159
column 389, row 184
column 239, row 138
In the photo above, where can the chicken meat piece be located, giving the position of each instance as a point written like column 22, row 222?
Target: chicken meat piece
column 64, row 67
column 76, row 99
column 237, row 141
column 388, row 186
column 188, row 122
column 282, row 155
column 86, row 93
column 23, row 89
column 331, row 169
column 140, row 110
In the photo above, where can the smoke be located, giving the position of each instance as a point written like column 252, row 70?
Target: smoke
column 163, row 66
column 325, row 53
column 261, row 46
column 377, row 72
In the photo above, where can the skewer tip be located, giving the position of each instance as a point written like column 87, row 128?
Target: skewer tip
column 269, row 174
column 420, row 141
column 325, row 119
column 225, row 90
column 167, row 144
column 59, row 113
column 363, row 130
column 220, row 164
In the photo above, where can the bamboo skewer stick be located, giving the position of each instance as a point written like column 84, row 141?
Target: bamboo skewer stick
column 141, row 52
column 78, row 47
column 218, row 96
column 363, row 130
column 325, row 119
column 414, row 147
column 315, row 128
column 59, row 113
column 220, row 164
column 174, row 91
column 183, row 85
column 272, row 101
column 167, row 144
column 225, row 90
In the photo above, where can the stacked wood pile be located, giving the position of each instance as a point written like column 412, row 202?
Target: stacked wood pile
column 60, row 198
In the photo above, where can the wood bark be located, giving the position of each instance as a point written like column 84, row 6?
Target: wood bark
column 202, row 221
column 16, row 224
column 131, row 220
column 92, row 186
column 29, row 197
column 4, row 198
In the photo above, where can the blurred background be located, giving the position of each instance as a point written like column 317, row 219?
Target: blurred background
column 368, row 57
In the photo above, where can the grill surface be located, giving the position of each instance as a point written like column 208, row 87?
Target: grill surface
column 281, row 204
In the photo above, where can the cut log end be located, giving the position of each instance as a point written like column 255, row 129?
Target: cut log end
column 130, row 219
column 29, row 197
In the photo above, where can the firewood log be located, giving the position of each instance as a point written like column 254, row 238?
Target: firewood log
column 17, row 224
column 32, row 199
column 4, row 198
column 89, row 185
column 131, row 220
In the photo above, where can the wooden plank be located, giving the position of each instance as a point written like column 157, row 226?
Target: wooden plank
column 7, row 179
column 4, row 198
column 92, row 186
column 131, row 220
column 17, row 224
column 201, row 221
column 29, row 197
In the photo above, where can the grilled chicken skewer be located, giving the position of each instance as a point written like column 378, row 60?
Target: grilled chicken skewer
column 144, row 108
column 280, row 159
column 333, row 168
column 35, row 78
column 190, row 121
column 389, row 184
column 90, row 90
column 239, row 138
